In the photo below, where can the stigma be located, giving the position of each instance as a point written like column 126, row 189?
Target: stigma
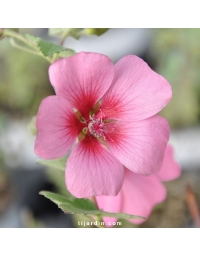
column 96, row 127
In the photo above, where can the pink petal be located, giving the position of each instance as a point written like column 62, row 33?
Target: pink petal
column 92, row 170
column 140, row 146
column 82, row 79
column 57, row 128
column 137, row 92
column 170, row 169
column 110, row 204
column 140, row 194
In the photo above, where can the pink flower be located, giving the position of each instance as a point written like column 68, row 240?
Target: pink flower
column 139, row 194
column 111, row 110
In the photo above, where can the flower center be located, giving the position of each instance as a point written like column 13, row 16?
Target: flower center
column 96, row 127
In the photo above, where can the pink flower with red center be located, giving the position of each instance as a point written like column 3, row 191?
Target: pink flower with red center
column 110, row 111
column 139, row 194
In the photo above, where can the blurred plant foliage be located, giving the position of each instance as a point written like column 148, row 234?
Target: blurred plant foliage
column 75, row 32
column 24, row 76
column 177, row 56
column 24, row 81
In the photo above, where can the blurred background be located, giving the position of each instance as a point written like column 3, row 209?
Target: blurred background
column 173, row 53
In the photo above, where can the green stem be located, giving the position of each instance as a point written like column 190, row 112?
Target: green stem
column 54, row 57
column 64, row 35
column 14, row 44
column 94, row 201
column 14, row 35
column 99, row 218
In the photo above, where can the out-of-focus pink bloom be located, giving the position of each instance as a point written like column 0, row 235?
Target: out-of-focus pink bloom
column 139, row 194
column 111, row 109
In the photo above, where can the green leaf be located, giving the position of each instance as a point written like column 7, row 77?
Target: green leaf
column 82, row 203
column 76, row 32
column 56, row 31
column 66, row 53
column 64, row 32
column 48, row 48
column 57, row 199
column 58, row 164
column 33, row 39
column 83, row 207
